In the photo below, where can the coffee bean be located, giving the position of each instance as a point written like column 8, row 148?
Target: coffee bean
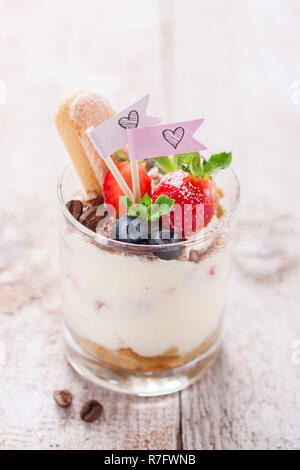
column 92, row 224
column 96, row 201
column 88, row 215
column 63, row 398
column 91, row 411
column 76, row 208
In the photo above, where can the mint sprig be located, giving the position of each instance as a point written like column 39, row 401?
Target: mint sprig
column 120, row 156
column 163, row 205
column 218, row 161
column 193, row 163
column 165, row 164
column 152, row 212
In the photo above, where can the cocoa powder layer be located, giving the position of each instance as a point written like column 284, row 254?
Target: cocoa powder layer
column 125, row 358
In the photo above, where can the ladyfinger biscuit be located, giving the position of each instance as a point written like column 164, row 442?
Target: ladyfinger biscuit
column 76, row 113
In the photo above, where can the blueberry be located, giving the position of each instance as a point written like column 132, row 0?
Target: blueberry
column 165, row 237
column 131, row 229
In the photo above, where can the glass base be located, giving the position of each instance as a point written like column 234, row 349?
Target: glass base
column 136, row 382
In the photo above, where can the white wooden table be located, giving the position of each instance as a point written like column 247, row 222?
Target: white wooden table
column 230, row 61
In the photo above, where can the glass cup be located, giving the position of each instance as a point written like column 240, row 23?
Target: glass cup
column 135, row 322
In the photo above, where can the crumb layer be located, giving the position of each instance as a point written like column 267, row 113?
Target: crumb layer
column 125, row 358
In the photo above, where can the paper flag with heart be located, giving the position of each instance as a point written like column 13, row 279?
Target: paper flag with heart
column 111, row 135
column 157, row 141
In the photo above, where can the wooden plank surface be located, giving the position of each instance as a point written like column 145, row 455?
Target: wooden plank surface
column 246, row 56
column 66, row 48
column 230, row 61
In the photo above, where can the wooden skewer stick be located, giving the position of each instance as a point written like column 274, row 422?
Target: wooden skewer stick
column 111, row 165
column 121, row 182
column 135, row 181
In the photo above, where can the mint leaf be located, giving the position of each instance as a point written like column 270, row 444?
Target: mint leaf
column 175, row 161
column 120, row 156
column 190, row 162
column 164, row 164
column 196, row 161
column 138, row 210
column 146, row 200
column 163, row 199
column 197, row 169
column 127, row 202
column 218, row 161
column 163, row 205
column 184, row 166
column 186, row 157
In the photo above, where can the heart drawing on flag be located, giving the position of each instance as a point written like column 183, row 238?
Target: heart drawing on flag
column 173, row 137
column 131, row 121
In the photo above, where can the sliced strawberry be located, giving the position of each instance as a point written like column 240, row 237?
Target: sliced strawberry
column 194, row 201
column 112, row 191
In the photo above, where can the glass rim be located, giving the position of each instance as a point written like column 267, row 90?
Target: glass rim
column 203, row 235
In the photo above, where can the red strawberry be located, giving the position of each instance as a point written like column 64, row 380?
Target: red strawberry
column 194, row 197
column 112, row 191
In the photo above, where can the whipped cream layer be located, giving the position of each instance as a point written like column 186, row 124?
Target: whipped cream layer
column 149, row 306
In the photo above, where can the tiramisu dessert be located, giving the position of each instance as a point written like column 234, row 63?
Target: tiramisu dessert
column 143, row 282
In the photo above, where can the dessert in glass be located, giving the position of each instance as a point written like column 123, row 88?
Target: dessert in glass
column 143, row 286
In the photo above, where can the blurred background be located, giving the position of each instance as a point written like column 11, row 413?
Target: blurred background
column 234, row 62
